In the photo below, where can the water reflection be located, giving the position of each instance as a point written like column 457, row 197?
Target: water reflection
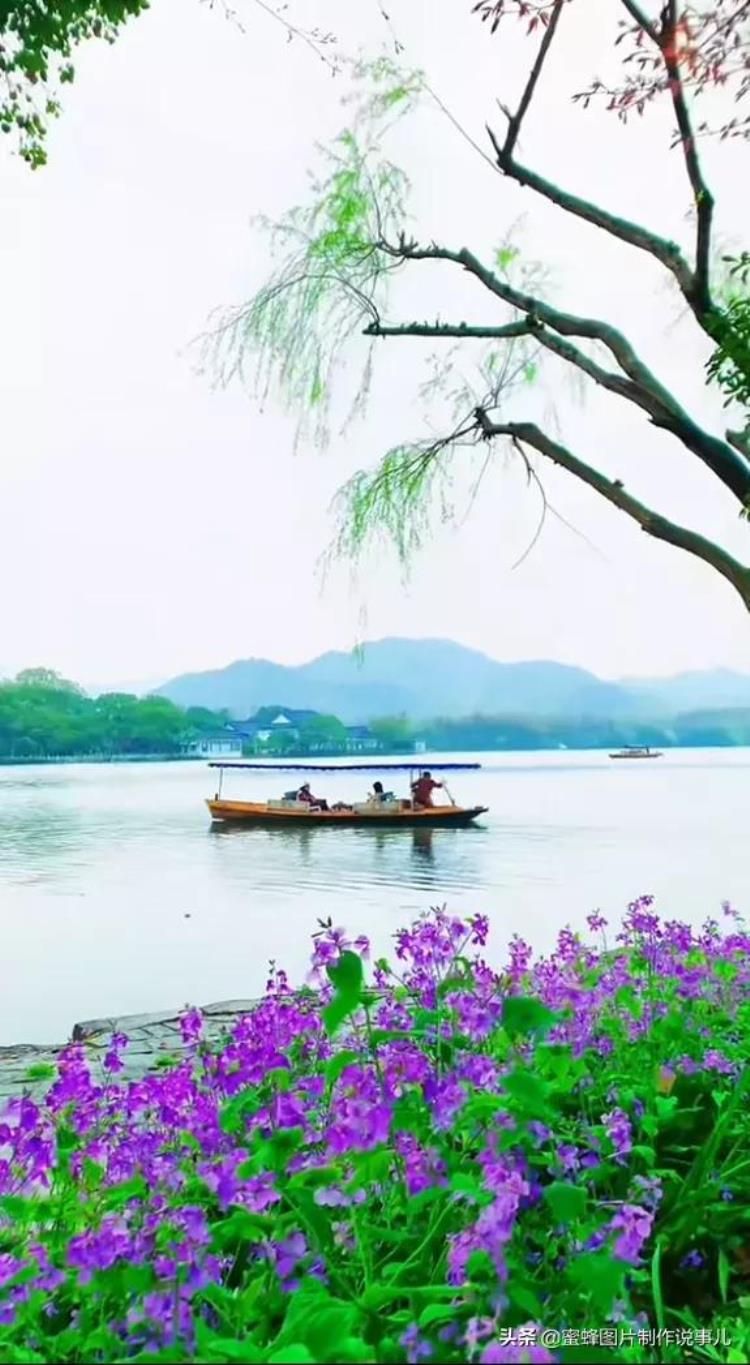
column 323, row 857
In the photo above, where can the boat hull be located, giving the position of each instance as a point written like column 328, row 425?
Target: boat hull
column 257, row 813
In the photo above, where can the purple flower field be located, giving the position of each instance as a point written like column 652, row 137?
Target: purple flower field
column 429, row 1160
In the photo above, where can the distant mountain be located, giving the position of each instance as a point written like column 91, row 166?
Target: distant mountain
column 421, row 678
column 717, row 688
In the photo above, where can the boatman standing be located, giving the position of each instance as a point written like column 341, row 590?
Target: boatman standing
column 422, row 789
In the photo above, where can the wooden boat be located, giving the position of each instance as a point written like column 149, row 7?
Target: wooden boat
column 288, row 811
column 637, row 751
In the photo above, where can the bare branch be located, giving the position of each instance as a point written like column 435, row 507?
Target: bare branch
column 515, row 120
column 450, row 329
column 612, row 489
column 668, row 253
column 699, row 296
column 641, row 19
column 531, row 326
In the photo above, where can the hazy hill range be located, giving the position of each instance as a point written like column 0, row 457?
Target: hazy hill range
column 429, row 678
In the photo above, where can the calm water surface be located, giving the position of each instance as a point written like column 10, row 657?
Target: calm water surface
column 116, row 896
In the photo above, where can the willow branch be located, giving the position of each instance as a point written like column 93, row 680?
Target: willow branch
column 653, row 523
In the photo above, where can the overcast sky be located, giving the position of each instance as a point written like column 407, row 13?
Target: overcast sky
column 151, row 524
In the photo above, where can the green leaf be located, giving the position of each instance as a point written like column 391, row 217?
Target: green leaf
column 347, row 974
column 567, row 1202
column 233, row 1114
column 437, row 1312
column 521, row 1296
column 340, row 1008
column 319, row 1322
column 228, row 1349
column 338, row 1064
column 240, row 1227
column 600, row 1277
column 292, row 1355
column 117, row 1196
column 67, row 1139
column 522, row 1016
column 480, row 1266
column 528, row 1093
column 19, row 1209
column 724, row 1273
column 505, row 256
column 41, row 1071
column 463, row 1183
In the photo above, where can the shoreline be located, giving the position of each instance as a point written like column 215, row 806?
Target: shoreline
column 152, row 1039
column 82, row 760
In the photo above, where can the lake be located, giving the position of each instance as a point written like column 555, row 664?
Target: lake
column 117, row 897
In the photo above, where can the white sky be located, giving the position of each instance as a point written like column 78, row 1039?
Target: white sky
column 151, row 525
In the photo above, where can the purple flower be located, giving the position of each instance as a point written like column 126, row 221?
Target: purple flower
column 490, row 1233
column 596, row 922
column 632, row 1223
column 286, row 1256
column 714, row 1060
column 619, row 1132
column 693, row 1261
column 416, row 1346
column 191, row 1027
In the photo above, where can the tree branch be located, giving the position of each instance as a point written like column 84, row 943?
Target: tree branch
column 530, row 326
column 450, row 329
column 692, row 283
column 724, row 460
column 515, row 121
column 699, row 296
column 641, row 19
column 668, row 253
column 649, row 521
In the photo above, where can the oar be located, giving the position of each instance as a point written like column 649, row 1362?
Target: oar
column 448, row 794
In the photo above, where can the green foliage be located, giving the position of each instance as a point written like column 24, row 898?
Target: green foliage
column 347, row 977
column 323, row 734
column 42, row 715
column 729, row 365
column 523, row 1018
column 37, row 42
column 394, row 732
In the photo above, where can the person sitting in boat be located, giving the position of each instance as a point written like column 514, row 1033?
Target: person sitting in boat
column 422, row 789
column 304, row 794
column 377, row 795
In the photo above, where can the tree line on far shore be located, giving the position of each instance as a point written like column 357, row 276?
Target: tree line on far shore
column 44, row 716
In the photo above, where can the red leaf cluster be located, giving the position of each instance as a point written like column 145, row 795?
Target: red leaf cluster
column 708, row 46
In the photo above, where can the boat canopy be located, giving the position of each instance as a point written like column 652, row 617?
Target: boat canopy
column 351, row 767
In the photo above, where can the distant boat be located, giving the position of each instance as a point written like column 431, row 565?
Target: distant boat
column 637, row 751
